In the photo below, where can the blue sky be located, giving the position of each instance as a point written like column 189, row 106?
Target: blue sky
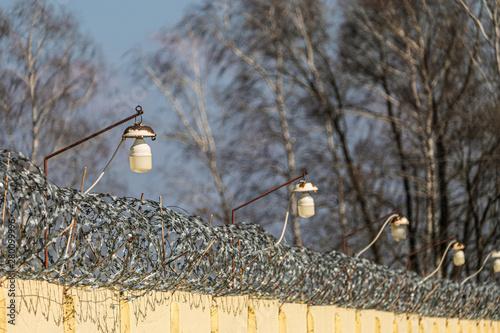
column 117, row 27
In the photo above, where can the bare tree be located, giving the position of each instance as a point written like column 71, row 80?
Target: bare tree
column 477, row 152
column 399, row 110
column 181, row 73
column 49, row 72
column 420, row 59
column 312, row 65
column 282, row 60
column 227, row 23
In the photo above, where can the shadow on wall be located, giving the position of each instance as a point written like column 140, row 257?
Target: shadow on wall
column 43, row 307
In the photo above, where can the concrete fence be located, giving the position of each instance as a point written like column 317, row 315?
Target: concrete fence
column 35, row 306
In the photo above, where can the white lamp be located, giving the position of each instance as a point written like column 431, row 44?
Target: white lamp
column 459, row 256
column 399, row 228
column 141, row 159
column 496, row 264
column 306, row 202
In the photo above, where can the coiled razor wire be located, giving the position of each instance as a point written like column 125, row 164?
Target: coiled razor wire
column 99, row 240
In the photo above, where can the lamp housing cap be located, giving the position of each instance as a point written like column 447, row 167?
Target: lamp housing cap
column 139, row 131
column 399, row 220
column 302, row 186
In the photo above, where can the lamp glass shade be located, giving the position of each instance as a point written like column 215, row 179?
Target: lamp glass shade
column 141, row 159
column 459, row 258
column 306, row 205
column 399, row 232
column 496, row 266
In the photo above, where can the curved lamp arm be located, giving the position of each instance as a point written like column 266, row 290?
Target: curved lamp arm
column 286, row 220
column 344, row 240
column 477, row 271
column 106, row 168
column 439, row 266
column 282, row 232
column 427, row 248
column 493, row 251
column 389, row 219
column 264, row 194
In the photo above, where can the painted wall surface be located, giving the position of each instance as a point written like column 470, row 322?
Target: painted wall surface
column 149, row 313
column 194, row 313
column 95, row 310
column 233, row 314
column 39, row 309
column 323, row 318
column 36, row 306
column 266, row 315
column 296, row 318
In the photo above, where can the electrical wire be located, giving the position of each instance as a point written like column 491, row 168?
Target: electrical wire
column 389, row 219
column 106, row 168
column 439, row 266
column 480, row 269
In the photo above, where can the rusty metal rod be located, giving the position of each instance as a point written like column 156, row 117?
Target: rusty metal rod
column 118, row 249
column 138, row 108
column 455, row 304
column 475, row 304
column 489, row 307
column 425, row 299
column 367, row 297
column 444, row 303
column 349, row 279
column 162, row 238
column 399, row 294
column 194, row 266
column 172, row 260
column 427, row 248
column 74, row 228
column 468, row 262
column 242, row 270
column 5, row 192
column 369, row 294
column 264, row 194
column 468, row 304
column 366, row 226
column 386, row 295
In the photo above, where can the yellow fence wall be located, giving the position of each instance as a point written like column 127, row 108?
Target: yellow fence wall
column 34, row 306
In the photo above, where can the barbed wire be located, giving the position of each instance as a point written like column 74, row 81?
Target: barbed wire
column 99, row 240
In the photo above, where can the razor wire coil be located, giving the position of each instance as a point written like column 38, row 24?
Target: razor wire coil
column 99, row 240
